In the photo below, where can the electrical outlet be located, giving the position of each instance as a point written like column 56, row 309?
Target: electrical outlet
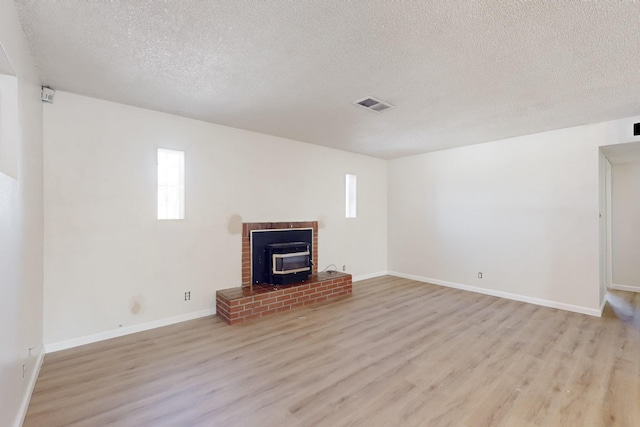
column 479, row 275
column 24, row 371
column 187, row 296
column 344, row 267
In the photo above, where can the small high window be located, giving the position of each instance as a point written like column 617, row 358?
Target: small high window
column 170, row 184
column 350, row 193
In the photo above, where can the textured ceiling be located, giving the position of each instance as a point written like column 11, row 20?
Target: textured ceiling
column 458, row 72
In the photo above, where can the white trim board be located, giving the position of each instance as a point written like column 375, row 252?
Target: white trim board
column 24, row 405
column 604, row 303
column 369, row 276
column 627, row 288
column 537, row 301
column 114, row 333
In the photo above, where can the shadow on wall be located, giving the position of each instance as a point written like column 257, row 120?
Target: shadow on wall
column 235, row 224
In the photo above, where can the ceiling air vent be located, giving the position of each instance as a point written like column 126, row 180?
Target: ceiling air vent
column 374, row 104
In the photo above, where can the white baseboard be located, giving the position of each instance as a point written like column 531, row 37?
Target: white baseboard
column 603, row 304
column 24, row 405
column 627, row 288
column 522, row 298
column 114, row 333
column 369, row 276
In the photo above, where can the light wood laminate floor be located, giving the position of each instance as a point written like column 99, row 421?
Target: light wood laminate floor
column 396, row 353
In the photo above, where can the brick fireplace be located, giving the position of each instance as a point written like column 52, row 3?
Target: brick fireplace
column 252, row 300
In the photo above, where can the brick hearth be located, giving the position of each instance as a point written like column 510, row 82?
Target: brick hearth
column 237, row 305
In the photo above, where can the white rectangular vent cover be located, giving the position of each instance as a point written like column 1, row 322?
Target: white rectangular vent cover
column 374, row 104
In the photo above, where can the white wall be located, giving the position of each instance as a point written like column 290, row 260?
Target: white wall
column 626, row 225
column 523, row 211
column 9, row 122
column 20, row 232
column 104, row 250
